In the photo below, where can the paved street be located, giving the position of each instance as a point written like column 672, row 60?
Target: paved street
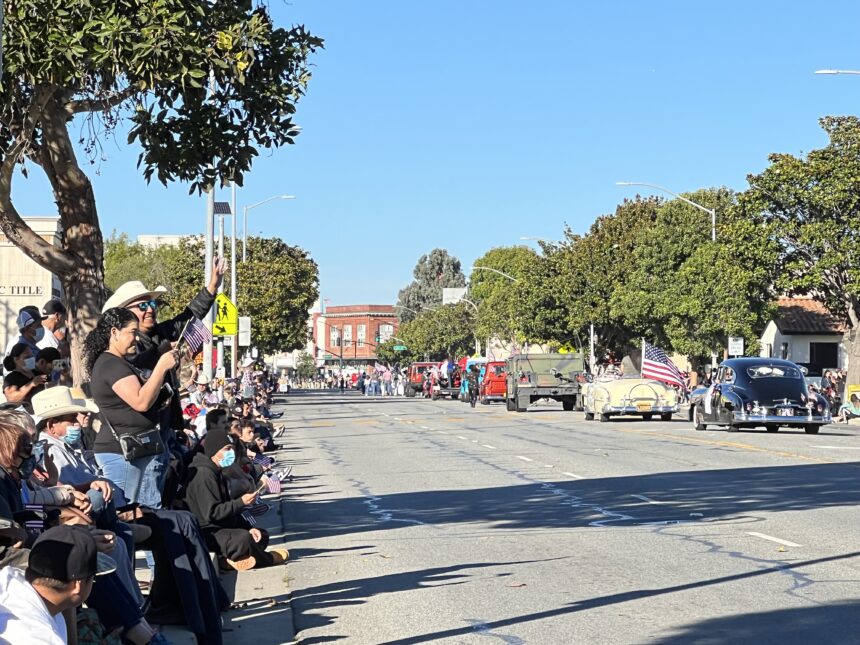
column 413, row 521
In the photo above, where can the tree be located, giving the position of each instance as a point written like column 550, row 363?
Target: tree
column 306, row 366
column 809, row 207
column 92, row 65
column 276, row 286
column 438, row 334
column 434, row 271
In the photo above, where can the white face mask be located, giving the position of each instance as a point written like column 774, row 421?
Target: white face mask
column 30, row 363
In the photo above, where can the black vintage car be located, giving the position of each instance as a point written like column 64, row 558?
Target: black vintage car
column 756, row 392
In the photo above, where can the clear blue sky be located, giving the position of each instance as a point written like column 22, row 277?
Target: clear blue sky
column 465, row 124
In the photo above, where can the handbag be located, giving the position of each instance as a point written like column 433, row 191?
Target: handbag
column 135, row 446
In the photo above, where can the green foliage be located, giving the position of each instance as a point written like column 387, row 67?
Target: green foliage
column 276, row 286
column 434, row 271
column 306, row 366
column 444, row 332
column 500, row 312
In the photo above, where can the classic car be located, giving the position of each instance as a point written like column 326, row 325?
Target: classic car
column 493, row 385
column 629, row 395
column 755, row 392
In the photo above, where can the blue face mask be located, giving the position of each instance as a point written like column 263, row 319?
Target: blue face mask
column 73, row 434
column 228, row 459
column 40, row 334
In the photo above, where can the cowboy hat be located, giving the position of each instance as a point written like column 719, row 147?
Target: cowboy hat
column 248, row 362
column 81, row 397
column 56, row 402
column 203, row 380
column 131, row 291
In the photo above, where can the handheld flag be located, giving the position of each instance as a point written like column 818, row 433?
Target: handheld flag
column 657, row 365
column 195, row 335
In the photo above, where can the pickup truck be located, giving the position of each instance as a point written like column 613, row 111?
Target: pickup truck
column 544, row 376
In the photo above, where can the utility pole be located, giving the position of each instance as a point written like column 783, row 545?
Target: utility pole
column 234, row 350
column 210, row 233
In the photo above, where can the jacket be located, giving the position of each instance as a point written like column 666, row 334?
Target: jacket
column 207, row 497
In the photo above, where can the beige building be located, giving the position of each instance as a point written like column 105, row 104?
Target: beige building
column 22, row 281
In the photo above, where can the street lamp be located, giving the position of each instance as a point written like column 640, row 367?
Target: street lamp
column 837, row 71
column 711, row 211
column 509, row 277
column 532, row 239
column 245, row 221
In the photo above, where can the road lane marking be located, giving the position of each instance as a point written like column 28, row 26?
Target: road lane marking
column 524, row 458
column 474, row 441
column 548, row 466
column 486, row 445
column 764, row 536
column 441, row 432
column 424, row 428
column 573, row 475
column 838, row 447
column 463, row 438
column 648, row 499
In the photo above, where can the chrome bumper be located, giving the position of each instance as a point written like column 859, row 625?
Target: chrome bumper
column 632, row 409
column 743, row 417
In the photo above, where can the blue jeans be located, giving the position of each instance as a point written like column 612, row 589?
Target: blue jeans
column 139, row 481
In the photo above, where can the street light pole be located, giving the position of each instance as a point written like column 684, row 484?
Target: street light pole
column 838, row 71
column 245, row 221
column 234, row 350
column 509, row 277
column 711, row 211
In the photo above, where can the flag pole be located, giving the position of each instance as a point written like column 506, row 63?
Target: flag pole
column 642, row 358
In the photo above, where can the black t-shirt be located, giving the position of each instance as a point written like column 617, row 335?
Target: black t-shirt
column 107, row 370
column 18, row 379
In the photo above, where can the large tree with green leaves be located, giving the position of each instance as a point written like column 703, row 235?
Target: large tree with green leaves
column 433, row 272
column 92, row 65
column 809, row 206
column 446, row 331
column 276, row 286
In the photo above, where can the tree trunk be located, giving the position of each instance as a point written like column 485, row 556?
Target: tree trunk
column 851, row 341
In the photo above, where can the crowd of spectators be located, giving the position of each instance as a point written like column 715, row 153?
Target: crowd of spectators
column 148, row 455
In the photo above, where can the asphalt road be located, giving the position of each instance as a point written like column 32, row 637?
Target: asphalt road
column 412, row 521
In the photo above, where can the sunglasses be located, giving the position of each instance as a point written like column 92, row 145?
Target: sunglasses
column 143, row 306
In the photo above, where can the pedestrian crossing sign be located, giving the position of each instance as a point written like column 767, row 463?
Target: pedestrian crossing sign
column 226, row 317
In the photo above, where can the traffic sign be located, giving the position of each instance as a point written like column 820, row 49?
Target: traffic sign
column 736, row 346
column 399, row 348
column 226, row 317
column 244, row 331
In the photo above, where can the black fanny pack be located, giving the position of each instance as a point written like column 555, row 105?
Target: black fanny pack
column 140, row 444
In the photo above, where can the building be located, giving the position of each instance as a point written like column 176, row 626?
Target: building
column 350, row 333
column 805, row 332
column 22, row 281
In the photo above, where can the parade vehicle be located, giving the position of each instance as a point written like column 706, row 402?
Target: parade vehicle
column 464, row 384
column 493, row 384
column 418, row 372
column 531, row 377
column 628, row 394
column 760, row 392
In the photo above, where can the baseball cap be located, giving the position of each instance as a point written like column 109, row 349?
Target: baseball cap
column 68, row 553
column 27, row 316
column 54, row 306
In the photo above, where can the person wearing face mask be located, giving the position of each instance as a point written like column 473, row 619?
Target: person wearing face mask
column 29, row 322
column 21, row 381
column 54, row 322
column 239, row 545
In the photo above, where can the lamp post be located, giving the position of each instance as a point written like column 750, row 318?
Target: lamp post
column 838, row 71
column 502, row 273
column 711, row 211
column 245, row 221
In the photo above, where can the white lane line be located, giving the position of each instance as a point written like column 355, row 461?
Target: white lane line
column 398, row 419
column 463, row 438
column 548, row 466
column 474, row 441
column 424, row 428
column 441, row 432
column 386, row 414
column 524, row 458
column 838, row 447
column 763, row 536
column 648, row 499
column 486, row 445
column 573, row 475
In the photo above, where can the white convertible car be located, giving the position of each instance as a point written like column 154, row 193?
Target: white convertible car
column 628, row 396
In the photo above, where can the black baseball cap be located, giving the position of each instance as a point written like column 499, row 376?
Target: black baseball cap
column 68, row 553
column 215, row 440
column 53, row 306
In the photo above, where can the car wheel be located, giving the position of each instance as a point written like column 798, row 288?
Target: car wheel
column 604, row 418
column 520, row 408
column 811, row 429
column 666, row 417
column 510, row 405
column 485, row 401
column 589, row 416
column 409, row 392
column 698, row 422
column 647, row 416
column 731, row 428
column 434, row 396
column 772, row 427
column 567, row 406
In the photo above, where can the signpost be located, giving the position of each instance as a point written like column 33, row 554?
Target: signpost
column 244, row 331
column 736, row 346
column 399, row 348
column 226, row 317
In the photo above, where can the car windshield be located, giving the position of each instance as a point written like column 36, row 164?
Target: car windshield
column 773, row 371
column 498, row 370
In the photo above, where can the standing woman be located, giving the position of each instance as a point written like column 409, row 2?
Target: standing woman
column 129, row 406
column 21, row 381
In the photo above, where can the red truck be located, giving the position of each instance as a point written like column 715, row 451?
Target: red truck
column 493, row 387
column 415, row 381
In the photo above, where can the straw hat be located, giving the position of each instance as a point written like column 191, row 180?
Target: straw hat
column 81, row 397
column 131, row 291
column 56, row 402
column 203, row 380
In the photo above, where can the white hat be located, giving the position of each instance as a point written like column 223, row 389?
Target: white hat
column 81, row 397
column 131, row 291
column 56, row 402
column 248, row 362
column 202, row 379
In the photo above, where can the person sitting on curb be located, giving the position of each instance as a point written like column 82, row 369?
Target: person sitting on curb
column 850, row 410
column 61, row 569
column 239, row 545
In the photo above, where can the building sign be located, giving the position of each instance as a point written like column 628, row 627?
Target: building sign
column 21, row 290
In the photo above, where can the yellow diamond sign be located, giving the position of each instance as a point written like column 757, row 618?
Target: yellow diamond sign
column 226, row 317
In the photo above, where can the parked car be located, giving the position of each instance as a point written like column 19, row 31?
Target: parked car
column 755, row 392
column 629, row 395
column 493, row 385
column 415, row 379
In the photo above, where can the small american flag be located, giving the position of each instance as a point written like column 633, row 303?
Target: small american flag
column 273, row 484
column 656, row 365
column 196, row 335
column 262, row 460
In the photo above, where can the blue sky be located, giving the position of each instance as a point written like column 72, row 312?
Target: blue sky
column 467, row 124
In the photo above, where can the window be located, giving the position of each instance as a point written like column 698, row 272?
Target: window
column 335, row 337
column 386, row 331
column 783, row 351
column 360, row 334
column 773, row 371
column 347, row 334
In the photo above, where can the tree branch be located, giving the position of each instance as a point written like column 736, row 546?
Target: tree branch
column 102, row 105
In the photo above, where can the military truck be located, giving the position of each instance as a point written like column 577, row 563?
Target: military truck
column 544, row 376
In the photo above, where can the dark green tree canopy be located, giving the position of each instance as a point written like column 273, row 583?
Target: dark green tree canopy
column 434, row 271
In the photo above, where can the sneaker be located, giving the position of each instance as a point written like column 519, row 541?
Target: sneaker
column 242, row 565
column 279, row 556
